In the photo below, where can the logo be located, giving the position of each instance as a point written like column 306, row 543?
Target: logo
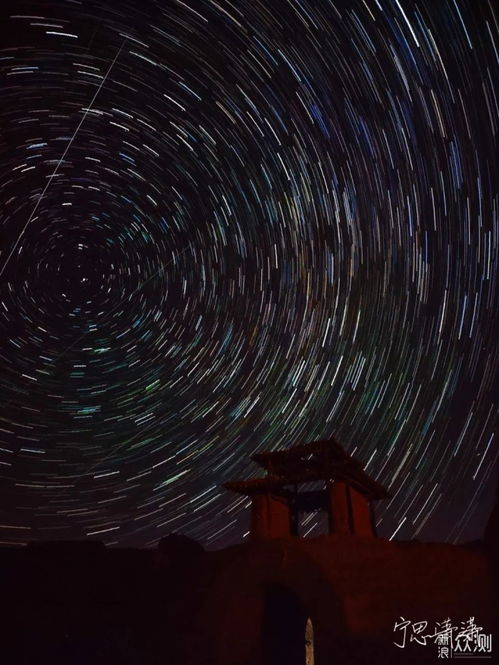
column 463, row 641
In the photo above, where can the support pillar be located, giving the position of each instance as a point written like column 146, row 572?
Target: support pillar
column 361, row 514
column 349, row 511
column 270, row 517
column 338, row 508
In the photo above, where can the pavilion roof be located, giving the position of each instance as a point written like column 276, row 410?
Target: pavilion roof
column 320, row 460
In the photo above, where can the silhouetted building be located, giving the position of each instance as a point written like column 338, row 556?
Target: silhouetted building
column 277, row 501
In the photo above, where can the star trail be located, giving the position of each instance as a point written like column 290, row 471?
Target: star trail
column 237, row 226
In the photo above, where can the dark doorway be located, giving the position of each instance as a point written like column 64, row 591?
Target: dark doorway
column 286, row 628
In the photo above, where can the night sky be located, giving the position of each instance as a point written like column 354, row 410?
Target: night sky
column 237, row 226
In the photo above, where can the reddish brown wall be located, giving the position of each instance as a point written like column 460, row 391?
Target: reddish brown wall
column 270, row 517
column 353, row 589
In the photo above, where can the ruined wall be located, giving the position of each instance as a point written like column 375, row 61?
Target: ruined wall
column 354, row 590
column 179, row 604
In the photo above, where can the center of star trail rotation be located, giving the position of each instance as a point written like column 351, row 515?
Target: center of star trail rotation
column 238, row 226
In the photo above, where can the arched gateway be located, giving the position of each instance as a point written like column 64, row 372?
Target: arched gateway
column 287, row 629
column 283, row 598
column 263, row 607
column 275, row 602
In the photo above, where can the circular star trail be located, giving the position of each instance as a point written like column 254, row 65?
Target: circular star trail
column 239, row 226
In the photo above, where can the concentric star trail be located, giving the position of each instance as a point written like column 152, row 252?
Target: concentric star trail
column 51, row 177
column 274, row 222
